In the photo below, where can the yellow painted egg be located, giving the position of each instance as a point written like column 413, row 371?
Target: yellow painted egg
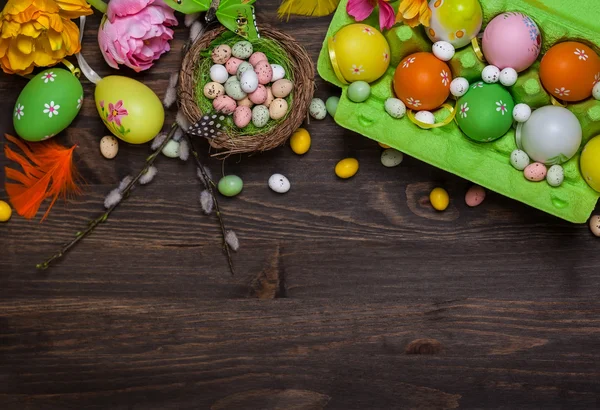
column 5, row 211
column 590, row 163
column 129, row 109
column 455, row 21
column 300, row 141
column 383, row 145
column 346, row 168
column 439, row 199
column 359, row 52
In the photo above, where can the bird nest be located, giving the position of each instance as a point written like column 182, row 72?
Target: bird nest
column 300, row 71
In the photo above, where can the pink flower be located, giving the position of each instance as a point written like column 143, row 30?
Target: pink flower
column 115, row 112
column 135, row 32
column 362, row 9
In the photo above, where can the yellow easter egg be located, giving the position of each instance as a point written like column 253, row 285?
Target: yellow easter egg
column 455, row 21
column 439, row 199
column 129, row 109
column 346, row 168
column 590, row 163
column 359, row 52
column 5, row 211
column 300, row 141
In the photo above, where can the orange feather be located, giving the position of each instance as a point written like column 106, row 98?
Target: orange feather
column 48, row 172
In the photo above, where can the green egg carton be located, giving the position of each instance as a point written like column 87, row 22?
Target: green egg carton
column 486, row 164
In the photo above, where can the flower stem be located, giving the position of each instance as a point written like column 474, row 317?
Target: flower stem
column 102, row 218
column 99, row 5
column 209, row 185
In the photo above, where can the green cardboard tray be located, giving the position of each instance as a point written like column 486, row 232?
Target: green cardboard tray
column 447, row 148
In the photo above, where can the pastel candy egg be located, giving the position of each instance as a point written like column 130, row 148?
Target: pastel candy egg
column 249, row 81
column 331, row 104
column 278, row 72
column 221, row 54
column 359, row 91
column 213, row 89
column 535, row 172
column 270, row 97
column 519, row 159
column 171, row 150
column 521, row 112
column 596, row 91
column 232, row 65
column 475, row 196
column 590, row 164
column 443, row 50
column 282, row 88
column 508, row 77
column 278, row 109
column 279, row 183
column 5, row 211
column 490, row 74
column 391, row 158
column 260, row 116
column 346, row 168
column 264, row 72
column 259, row 96
column 595, row 225
column 317, row 109
column 218, row 73
column 224, row 104
column 439, row 199
column 47, row 105
column 257, row 57
column 459, row 86
column 233, row 88
column 300, row 141
column 512, row 40
column 455, row 21
column 555, row 176
column 242, row 50
column 395, row 108
column 246, row 102
column 242, row 116
column 242, row 68
column 425, row 117
column 230, row 185
column 109, row 146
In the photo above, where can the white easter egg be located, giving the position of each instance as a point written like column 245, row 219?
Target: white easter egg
column 459, row 86
column 490, row 74
column 279, row 183
column 218, row 73
column 249, row 81
column 278, row 72
column 521, row 112
column 443, row 50
column 596, row 91
column 395, row 108
column 426, row 117
column 508, row 77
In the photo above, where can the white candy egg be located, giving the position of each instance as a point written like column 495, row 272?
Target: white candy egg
column 278, row 72
column 279, row 183
column 596, row 91
column 218, row 73
column 508, row 77
column 519, row 159
column 459, row 86
column 426, row 117
column 249, row 81
column 555, row 175
column 490, row 74
column 521, row 112
column 443, row 50
column 395, row 108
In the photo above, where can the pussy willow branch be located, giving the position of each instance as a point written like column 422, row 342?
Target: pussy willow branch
column 210, row 186
column 102, row 218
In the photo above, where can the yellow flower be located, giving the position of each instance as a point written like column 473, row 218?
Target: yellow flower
column 38, row 33
column 414, row 12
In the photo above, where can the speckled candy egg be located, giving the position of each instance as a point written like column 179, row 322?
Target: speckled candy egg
column 245, row 103
column 555, row 176
column 443, row 50
column 596, row 91
column 224, row 104
column 47, row 105
column 519, row 159
column 243, row 67
column 221, row 54
column 279, row 183
column 459, row 86
column 109, row 146
column 232, row 65
column 242, row 50
column 282, row 88
column 595, row 225
column 270, row 97
column 535, row 172
column 425, row 117
column 249, row 81
column 391, row 158
column 485, row 112
column 213, row 89
column 490, row 74
column 474, row 196
column 422, row 81
column 259, row 96
column 317, row 109
column 589, row 163
column 455, row 21
column 521, row 112
column 512, row 40
column 264, row 72
column 218, row 73
column 508, row 77
column 359, row 52
column 278, row 72
column 395, row 108
column 260, row 116
column 552, row 135
column 570, row 70
column 278, row 109
column 257, row 57
column 233, row 88
column 242, row 116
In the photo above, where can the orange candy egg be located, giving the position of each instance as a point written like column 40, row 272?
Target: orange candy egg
column 569, row 71
column 422, row 81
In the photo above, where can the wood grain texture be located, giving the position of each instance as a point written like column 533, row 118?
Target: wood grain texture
column 350, row 294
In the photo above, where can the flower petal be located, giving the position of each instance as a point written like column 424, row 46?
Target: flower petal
column 387, row 17
column 359, row 9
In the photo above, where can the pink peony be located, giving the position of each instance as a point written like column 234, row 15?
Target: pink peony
column 136, row 32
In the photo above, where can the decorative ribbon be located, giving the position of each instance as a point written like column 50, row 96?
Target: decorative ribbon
column 557, row 103
column 446, row 121
column 334, row 62
column 74, row 70
column 477, row 49
column 83, row 65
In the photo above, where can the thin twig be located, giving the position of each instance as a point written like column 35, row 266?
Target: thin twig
column 210, row 186
column 102, row 218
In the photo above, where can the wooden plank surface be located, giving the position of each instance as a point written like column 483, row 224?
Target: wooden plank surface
column 349, row 294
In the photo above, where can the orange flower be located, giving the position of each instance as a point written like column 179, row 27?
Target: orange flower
column 414, row 12
column 38, row 33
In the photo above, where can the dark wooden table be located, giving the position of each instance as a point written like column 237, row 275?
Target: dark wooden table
column 349, row 294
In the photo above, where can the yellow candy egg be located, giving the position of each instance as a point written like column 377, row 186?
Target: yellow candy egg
column 5, row 211
column 590, row 163
column 383, row 145
column 346, row 168
column 129, row 109
column 300, row 141
column 439, row 199
column 359, row 52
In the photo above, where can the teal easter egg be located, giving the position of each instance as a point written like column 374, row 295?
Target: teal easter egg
column 47, row 105
column 484, row 113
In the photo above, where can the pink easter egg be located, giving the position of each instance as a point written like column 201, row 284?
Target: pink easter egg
column 242, row 116
column 512, row 40
column 535, row 172
column 232, row 65
column 264, row 71
column 475, row 196
column 259, row 96
column 224, row 104
column 257, row 57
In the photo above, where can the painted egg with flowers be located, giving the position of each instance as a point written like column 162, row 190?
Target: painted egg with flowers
column 129, row 109
column 455, row 21
column 47, row 105
column 422, row 81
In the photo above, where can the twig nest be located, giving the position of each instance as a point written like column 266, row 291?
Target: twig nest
column 443, row 50
column 508, row 77
column 490, row 74
column 459, row 87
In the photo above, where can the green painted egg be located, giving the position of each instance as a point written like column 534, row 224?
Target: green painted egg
column 47, row 105
column 484, row 113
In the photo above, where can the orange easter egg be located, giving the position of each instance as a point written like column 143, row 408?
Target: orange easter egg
column 570, row 70
column 422, row 81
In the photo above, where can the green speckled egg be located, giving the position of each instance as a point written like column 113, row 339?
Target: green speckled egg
column 242, row 50
column 317, row 109
column 260, row 116
column 243, row 67
column 233, row 88
column 47, row 105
